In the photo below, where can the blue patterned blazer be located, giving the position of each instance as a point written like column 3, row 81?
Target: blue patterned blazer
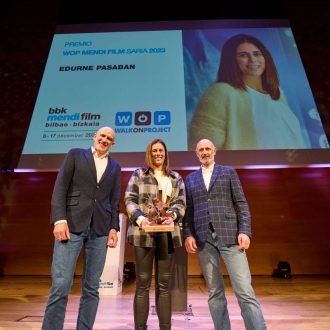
column 224, row 204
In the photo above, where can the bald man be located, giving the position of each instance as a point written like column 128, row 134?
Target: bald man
column 85, row 215
column 217, row 224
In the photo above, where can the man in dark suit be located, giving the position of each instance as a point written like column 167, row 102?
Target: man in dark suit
column 85, row 214
column 217, row 224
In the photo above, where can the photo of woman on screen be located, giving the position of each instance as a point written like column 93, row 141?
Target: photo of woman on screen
column 245, row 109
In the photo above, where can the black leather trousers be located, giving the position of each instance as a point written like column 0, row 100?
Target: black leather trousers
column 162, row 254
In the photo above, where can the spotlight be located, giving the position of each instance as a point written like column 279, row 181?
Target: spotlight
column 6, row 169
column 129, row 271
column 283, row 270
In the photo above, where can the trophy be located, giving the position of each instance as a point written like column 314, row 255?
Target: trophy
column 157, row 214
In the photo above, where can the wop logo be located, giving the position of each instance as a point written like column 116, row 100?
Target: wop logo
column 143, row 118
column 162, row 118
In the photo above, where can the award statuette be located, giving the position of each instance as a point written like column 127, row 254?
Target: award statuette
column 157, row 215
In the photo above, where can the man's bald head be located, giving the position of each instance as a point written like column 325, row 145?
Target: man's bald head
column 205, row 151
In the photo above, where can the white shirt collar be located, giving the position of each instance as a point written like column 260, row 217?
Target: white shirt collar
column 95, row 154
column 208, row 169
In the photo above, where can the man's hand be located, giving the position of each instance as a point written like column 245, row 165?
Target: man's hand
column 61, row 232
column 190, row 244
column 243, row 241
column 112, row 239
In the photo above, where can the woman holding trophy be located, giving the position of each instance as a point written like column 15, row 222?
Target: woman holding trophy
column 155, row 203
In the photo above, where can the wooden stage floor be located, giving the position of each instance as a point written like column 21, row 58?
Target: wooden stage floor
column 300, row 303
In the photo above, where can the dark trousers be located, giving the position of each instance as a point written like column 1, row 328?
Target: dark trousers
column 162, row 253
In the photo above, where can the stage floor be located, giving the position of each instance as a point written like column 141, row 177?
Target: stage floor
column 300, row 303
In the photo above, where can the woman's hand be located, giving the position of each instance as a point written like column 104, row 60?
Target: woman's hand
column 169, row 218
column 145, row 222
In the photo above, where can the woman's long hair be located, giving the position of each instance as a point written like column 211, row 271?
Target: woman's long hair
column 229, row 71
column 148, row 158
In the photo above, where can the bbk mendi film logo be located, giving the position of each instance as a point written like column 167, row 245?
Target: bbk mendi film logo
column 63, row 117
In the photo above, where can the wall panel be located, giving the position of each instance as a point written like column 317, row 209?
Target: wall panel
column 290, row 221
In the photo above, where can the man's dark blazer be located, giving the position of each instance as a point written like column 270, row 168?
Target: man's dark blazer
column 78, row 197
column 223, row 204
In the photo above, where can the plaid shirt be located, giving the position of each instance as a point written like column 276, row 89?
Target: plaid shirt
column 143, row 187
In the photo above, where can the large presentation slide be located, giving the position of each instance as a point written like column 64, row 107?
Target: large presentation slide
column 161, row 80
column 131, row 81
